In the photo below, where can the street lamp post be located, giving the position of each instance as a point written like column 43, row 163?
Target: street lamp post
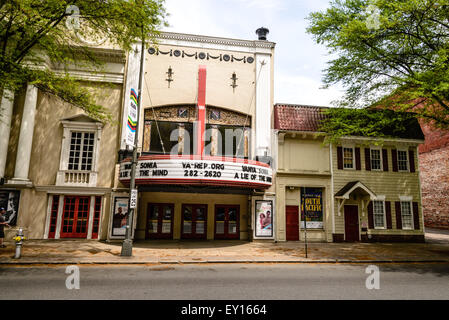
column 127, row 246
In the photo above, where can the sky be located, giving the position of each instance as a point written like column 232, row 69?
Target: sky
column 299, row 61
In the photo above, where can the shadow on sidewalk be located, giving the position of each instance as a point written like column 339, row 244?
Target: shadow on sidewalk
column 183, row 244
column 438, row 269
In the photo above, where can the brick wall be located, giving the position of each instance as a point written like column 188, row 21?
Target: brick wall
column 434, row 172
column 435, row 138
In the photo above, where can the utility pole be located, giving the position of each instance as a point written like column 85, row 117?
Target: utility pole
column 127, row 246
column 303, row 207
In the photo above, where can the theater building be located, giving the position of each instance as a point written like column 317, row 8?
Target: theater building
column 204, row 146
column 57, row 165
column 204, row 140
column 361, row 189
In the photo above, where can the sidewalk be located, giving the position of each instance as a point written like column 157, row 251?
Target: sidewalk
column 184, row 252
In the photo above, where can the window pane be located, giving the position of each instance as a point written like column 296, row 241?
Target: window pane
column 166, row 129
column 348, row 161
column 406, row 213
column 402, row 160
column 379, row 217
column 375, row 160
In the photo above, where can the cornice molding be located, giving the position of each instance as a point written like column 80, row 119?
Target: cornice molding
column 216, row 40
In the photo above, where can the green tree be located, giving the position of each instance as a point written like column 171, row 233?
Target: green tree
column 389, row 53
column 35, row 32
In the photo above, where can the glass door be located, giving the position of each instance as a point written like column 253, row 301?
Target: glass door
column 75, row 217
column 194, row 221
column 160, row 221
column 227, row 222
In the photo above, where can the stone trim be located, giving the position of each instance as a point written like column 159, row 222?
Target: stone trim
column 216, row 40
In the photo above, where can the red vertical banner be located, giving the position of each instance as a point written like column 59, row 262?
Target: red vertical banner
column 201, row 127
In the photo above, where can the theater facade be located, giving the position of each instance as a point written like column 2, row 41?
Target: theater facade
column 204, row 140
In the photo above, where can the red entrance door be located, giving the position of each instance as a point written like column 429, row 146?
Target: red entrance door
column 227, row 222
column 75, row 217
column 292, row 222
column 160, row 218
column 194, row 221
column 352, row 223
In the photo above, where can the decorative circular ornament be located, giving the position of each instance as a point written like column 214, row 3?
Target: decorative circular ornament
column 151, row 50
column 176, row 53
column 226, row 57
column 250, row 59
column 201, row 55
column 87, row 35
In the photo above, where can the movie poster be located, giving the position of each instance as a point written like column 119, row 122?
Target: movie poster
column 312, row 204
column 264, row 218
column 120, row 216
column 10, row 201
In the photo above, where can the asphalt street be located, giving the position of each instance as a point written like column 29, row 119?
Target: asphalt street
column 228, row 282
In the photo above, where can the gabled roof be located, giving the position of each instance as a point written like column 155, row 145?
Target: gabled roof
column 298, row 117
column 344, row 192
column 291, row 117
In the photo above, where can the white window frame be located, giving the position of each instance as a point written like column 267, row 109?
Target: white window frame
column 380, row 158
column 406, row 161
column 353, row 157
column 384, row 218
column 70, row 126
column 412, row 227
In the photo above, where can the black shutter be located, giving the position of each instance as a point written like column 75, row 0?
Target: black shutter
column 394, row 157
column 416, row 215
column 385, row 159
column 358, row 165
column 367, row 159
column 370, row 215
column 340, row 157
column 398, row 215
column 411, row 159
column 388, row 214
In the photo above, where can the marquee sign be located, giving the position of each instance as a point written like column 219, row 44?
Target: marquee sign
column 239, row 172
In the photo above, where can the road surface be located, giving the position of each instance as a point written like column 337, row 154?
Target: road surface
column 227, row 281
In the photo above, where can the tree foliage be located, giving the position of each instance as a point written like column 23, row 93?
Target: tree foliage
column 371, row 123
column 37, row 33
column 389, row 53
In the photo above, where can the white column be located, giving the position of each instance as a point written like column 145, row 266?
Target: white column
column 90, row 223
column 59, row 217
column 263, row 104
column 26, row 136
column 5, row 127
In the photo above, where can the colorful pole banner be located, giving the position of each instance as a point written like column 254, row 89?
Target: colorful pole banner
column 132, row 119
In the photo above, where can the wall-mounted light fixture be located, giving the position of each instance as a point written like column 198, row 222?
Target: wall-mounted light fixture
column 234, row 81
column 170, row 74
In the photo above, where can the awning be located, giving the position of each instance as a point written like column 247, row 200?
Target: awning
column 350, row 187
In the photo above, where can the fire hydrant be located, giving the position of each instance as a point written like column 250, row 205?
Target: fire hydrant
column 19, row 242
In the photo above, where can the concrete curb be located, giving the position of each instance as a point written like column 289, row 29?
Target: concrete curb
column 213, row 261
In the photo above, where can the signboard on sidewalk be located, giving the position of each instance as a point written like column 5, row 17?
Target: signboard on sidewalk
column 264, row 218
column 312, row 205
column 120, row 214
column 10, row 201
